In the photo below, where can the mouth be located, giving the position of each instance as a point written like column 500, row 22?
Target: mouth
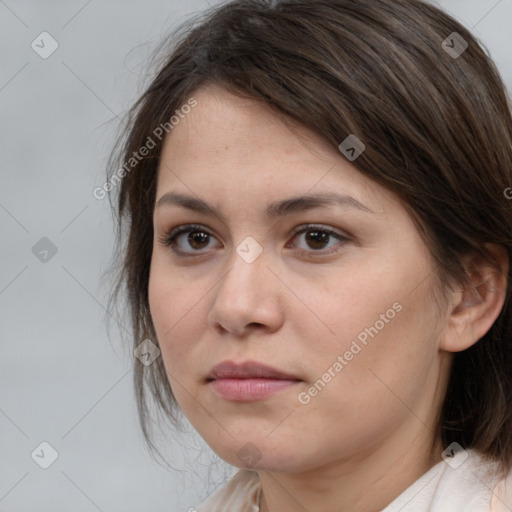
column 248, row 381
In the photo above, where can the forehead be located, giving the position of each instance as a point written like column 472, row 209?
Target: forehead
column 227, row 146
column 223, row 122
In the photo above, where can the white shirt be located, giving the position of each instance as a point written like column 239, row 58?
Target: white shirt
column 460, row 485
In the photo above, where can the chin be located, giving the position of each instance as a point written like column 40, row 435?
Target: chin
column 256, row 455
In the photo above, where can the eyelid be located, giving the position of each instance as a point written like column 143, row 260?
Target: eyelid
column 320, row 227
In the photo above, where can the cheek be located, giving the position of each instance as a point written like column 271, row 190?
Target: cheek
column 165, row 303
column 177, row 311
column 376, row 332
column 384, row 365
column 350, row 308
column 160, row 291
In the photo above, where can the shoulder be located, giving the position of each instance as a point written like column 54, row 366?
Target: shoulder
column 501, row 499
column 471, row 483
column 241, row 493
column 467, row 482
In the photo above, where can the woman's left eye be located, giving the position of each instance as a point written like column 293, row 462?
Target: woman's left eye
column 317, row 238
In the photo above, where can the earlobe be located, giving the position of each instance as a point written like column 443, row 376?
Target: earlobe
column 477, row 306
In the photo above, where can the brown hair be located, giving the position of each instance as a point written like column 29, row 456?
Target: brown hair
column 437, row 128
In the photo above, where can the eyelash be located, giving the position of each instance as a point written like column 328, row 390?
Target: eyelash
column 168, row 239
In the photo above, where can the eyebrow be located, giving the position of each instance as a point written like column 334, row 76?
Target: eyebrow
column 277, row 209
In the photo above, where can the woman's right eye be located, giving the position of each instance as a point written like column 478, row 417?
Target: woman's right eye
column 197, row 239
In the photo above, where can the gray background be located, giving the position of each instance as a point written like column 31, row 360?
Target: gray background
column 61, row 380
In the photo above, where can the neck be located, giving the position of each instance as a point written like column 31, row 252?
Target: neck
column 366, row 482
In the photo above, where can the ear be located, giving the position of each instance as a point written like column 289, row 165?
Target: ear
column 475, row 308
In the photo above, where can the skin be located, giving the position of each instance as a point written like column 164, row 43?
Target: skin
column 369, row 433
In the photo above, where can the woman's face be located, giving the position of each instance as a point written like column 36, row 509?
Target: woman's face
column 342, row 307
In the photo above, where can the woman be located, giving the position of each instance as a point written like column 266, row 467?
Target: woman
column 318, row 244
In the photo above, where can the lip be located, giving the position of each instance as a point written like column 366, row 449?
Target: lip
column 248, row 381
column 248, row 370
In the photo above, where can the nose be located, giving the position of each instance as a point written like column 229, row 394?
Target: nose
column 248, row 297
